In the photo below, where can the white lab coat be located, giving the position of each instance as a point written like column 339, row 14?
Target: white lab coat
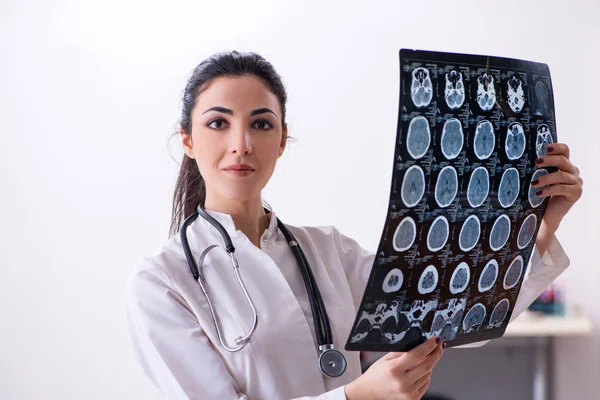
column 175, row 341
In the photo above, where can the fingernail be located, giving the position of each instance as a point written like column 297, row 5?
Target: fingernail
column 444, row 345
column 539, row 193
column 549, row 149
column 539, row 161
column 535, row 182
column 437, row 340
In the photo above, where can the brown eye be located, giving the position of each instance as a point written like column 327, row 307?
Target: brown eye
column 263, row 125
column 217, row 124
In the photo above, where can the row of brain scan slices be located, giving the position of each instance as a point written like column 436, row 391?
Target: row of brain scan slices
column 470, row 232
column 394, row 324
column 461, row 276
column 446, row 187
column 421, row 91
column 418, row 139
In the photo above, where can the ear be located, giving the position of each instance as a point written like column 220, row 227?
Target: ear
column 283, row 142
column 186, row 142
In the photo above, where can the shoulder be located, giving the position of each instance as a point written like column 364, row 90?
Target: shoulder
column 319, row 234
column 326, row 235
column 158, row 271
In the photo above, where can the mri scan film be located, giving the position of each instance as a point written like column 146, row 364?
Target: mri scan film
column 462, row 216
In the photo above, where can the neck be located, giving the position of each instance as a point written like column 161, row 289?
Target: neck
column 248, row 215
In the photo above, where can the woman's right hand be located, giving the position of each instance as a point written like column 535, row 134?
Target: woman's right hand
column 398, row 376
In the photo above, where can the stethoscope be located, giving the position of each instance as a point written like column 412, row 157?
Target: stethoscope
column 332, row 362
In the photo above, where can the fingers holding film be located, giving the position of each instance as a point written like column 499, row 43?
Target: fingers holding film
column 559, row 161
column 554, row 178
column 559, row 149
column 571, row 192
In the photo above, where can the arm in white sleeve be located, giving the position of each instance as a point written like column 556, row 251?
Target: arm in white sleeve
column 335, row 394
column 171, row 347
column 169, row 343
column 357, row 263
column 542, row 272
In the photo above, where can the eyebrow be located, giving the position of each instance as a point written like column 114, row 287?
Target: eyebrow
column 227, row 111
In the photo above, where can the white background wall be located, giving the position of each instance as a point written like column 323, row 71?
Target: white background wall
column 89, row 94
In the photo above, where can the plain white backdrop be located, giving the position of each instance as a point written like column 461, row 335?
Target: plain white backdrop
column 90, row 93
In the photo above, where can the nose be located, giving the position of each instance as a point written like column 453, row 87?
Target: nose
column 240, row 141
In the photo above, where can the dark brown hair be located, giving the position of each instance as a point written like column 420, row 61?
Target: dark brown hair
column 190, row 190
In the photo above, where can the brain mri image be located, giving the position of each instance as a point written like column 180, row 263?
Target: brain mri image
column 488, row 276
column 418, row 319
column 405, row 234
column 474, row 318
column 385, row 315
column 428, row 280
column 455, row 90
column 460, row 278
column 485, row 140
column 394, row 321
column 469, row 233
column 413, row 186
column 515, row 141
column 527, row 230
column 438, row 234
column 421, row 88
column 515, row 94
column 418, row 137
column 543, row 139
column 452, row 138
column 542, row 96
column 508, row 191
column 393, row 281
column 499, row 314
column 500, row 232
column 479, row 187
column 446, row 186
column 534, row 199
column 486, row 93
column 513, row 273
column 446, row 321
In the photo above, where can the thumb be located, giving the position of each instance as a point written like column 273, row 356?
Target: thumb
column 393, row 355
column 418, row 353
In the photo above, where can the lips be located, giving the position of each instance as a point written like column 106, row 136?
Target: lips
column 239, row 167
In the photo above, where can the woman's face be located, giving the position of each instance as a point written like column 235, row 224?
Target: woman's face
column 236, row 137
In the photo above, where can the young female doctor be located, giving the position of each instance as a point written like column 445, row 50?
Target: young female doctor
column 233, row 130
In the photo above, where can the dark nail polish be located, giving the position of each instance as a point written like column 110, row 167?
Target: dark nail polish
column 437, row 340
column 539, row 193
column 539, row 161
column 535, row 182
column 444, row 345
column 549, row 149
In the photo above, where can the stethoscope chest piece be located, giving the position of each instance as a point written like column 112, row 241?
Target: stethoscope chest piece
column 331, row 361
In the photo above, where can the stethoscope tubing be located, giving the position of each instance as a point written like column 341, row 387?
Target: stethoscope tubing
column 331, row 362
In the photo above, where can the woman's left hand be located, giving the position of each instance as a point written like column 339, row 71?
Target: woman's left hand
column 564, row 187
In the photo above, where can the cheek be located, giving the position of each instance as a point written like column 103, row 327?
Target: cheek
column 203, row 166
column 207, row 151
column 268, row 158
column 207, row 165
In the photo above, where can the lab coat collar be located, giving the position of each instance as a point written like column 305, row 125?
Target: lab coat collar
column 227, row 221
